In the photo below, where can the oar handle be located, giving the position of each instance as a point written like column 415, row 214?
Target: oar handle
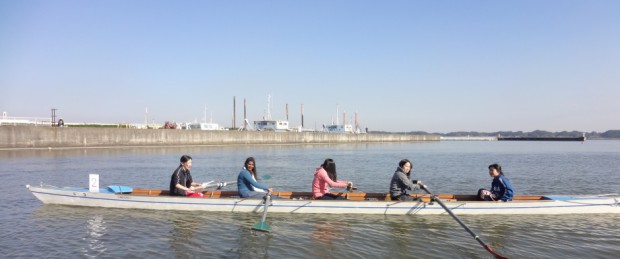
column 219, row 184
column 350, row 187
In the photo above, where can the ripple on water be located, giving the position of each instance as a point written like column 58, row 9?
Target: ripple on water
column 30, row 229
column 62, row 231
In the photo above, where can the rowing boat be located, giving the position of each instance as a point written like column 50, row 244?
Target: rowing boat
column 301, row 202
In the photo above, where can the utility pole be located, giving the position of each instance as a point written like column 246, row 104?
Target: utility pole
column 234, row 112
column 54, row 117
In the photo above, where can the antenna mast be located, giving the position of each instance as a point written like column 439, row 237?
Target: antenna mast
column 268, row 107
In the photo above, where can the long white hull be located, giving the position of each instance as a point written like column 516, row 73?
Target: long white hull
column 105, row 199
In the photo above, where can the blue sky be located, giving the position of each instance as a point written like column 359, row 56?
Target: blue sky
column 436, row 66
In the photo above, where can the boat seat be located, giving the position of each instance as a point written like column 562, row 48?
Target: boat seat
column 284, row 195
column 377, row 197
column 220, row 194
column 530, row 197
column 150, row 192
column 355, row 196
column 360, row 196
column 302, row 196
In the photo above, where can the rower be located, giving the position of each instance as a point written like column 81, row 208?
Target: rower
column 181, row 183
column 501, row 189
column 325, row 176
column 401, row 182
column 247, row 184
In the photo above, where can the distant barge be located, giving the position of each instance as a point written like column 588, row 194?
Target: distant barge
column 582, row 138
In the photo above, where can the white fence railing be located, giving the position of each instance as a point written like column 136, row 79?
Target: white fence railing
column 14, row 121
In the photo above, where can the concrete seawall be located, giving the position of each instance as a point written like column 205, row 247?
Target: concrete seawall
column 44, row 137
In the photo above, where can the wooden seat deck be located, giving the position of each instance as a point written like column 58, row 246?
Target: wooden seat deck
column 353, row 196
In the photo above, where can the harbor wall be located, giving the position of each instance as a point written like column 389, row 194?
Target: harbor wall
column 51, row 137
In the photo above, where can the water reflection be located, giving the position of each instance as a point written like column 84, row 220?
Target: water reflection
column 252, row 243
column 498, row 235
column 185, row 228
column 401, row 238
column 261, row 241
column 328, row 235
column 95, row 230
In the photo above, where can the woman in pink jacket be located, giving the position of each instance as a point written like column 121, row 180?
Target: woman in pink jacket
column 325, row 176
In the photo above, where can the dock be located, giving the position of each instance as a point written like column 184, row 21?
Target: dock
column 582, row 138
column 541, row 138
column 499, row 138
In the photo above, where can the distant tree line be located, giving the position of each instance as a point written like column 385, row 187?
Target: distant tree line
column 610, row 134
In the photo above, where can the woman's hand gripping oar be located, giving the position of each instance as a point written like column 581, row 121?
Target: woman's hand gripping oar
column 262, row 225
column 487, row 247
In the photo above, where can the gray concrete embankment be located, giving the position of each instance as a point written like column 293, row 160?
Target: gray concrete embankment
column 44, row 137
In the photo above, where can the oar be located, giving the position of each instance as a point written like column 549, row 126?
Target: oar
column 487, row 247
column 262, row 225
column 218, row 185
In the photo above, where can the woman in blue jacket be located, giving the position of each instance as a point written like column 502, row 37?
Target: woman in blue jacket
column 501, row 189
column 246, row 181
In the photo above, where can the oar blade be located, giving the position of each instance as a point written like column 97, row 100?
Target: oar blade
column 261, row 226
column 497, row 256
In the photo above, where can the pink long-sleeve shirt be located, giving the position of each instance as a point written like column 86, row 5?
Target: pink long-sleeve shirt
column 322, row 181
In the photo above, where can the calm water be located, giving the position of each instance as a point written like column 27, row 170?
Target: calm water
column 31, row 229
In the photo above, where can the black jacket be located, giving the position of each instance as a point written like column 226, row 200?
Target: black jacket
column 182, row 177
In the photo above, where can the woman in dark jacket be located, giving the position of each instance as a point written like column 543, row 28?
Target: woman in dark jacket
column 501, row 189
column 401, row 182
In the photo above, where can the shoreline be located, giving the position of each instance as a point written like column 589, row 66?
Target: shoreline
column 190, row 146
column 33, row 137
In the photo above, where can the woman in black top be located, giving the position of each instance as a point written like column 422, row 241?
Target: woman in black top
column 181, row 182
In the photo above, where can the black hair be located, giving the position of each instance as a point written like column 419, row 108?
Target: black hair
column 185, row 158
column 496, row 167
column 403, row 162
column 330, row 167
column 253, row 171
